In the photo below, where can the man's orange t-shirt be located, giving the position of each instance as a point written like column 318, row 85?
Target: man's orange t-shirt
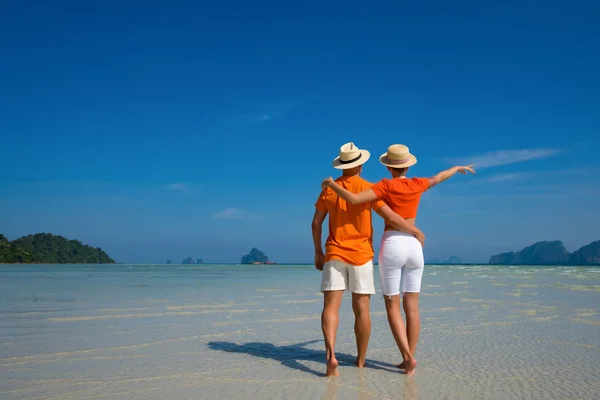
column 350, row 230
column 403, row 194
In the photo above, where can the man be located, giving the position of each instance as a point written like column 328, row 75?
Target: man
column 348, row 261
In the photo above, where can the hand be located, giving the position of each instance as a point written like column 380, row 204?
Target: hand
column 464, row 169
column 420, row 236
column 327, row 183
column 319, row 260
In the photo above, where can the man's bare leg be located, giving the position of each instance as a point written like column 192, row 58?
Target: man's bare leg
column 330, row 320
column 362, row 325
column 392, row 307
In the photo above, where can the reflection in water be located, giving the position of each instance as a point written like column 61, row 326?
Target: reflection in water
column 411, row 389
column 332, row 389
column 362, row 385
column 331, row 392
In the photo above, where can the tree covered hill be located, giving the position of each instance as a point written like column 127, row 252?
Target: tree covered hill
column 13, row 254
column 50, row 249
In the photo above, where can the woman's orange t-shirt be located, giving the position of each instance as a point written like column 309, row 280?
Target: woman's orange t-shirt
column 402, row 195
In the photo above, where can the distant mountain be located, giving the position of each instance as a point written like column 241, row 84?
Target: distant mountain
column 188, row 260
column 503, row 258
column 451, row 260
column 255, row 257
column 589, row 254
column 50, row 249
column 550, row 253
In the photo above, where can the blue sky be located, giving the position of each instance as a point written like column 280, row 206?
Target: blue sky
column 159, row 130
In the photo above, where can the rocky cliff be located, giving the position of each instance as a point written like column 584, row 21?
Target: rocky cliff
column 255, row 256
column 550, row 253
column 587, row 255
column 503, row 258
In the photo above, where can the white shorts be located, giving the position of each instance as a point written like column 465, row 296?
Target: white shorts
column 338, row 275
column 400, row 258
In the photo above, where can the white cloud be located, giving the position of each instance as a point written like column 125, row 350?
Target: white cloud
column 235, row 213
column 502, row 178
column 179, row 187
column 505, row 157
column 227, row 213
column 271, row 112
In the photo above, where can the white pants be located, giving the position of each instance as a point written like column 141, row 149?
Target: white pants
column 400, row 258
column 338, row 275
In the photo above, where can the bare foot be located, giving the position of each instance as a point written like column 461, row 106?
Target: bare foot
column 410, row 366
column 402, row 365
column 359, row 363
column 332, row 367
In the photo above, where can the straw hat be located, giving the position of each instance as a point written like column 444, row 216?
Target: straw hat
column 350, row 157
column 398, row 156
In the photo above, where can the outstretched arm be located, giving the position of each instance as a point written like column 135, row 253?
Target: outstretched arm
column 400, row 223
column 353, row 198
column 317, row 229
column 442, row 176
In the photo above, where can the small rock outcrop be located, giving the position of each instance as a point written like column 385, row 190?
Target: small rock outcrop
column 451, row 260
column 255, row 257
column 189, row 261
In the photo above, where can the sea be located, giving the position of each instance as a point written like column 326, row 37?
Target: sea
column 253, row 332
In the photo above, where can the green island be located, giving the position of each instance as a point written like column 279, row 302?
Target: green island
column 45, row 248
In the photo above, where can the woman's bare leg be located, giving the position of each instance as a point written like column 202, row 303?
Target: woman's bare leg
column 392, row 306
column 413, row 320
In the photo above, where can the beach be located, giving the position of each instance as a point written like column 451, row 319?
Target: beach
column 239, row 331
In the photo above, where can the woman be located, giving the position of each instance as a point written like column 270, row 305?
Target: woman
column 401, row 254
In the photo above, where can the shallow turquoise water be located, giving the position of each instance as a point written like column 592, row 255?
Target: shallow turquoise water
column 166, row 331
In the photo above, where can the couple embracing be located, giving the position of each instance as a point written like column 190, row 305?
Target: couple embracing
column 347, row 262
